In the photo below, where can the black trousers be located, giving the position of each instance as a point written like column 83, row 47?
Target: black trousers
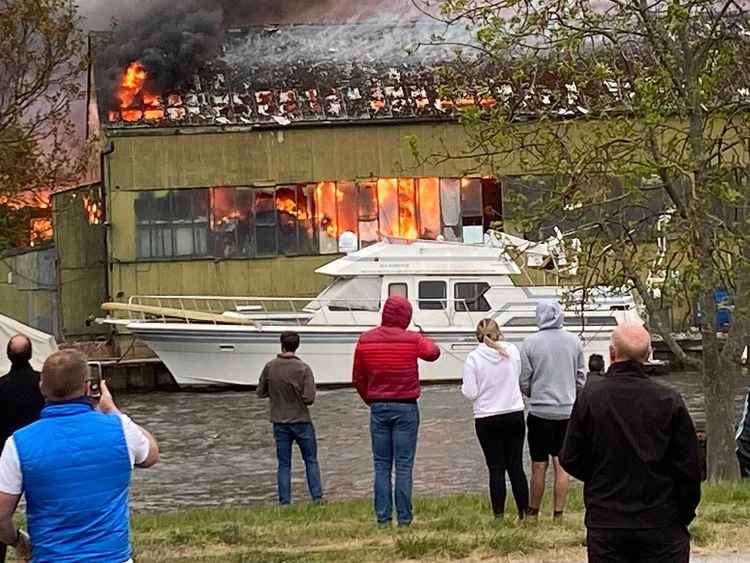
column 657, row 545
column 501, row 438
column 744, row 460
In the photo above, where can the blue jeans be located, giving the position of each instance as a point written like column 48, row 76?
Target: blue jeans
column 393, row 429
column 304, row 434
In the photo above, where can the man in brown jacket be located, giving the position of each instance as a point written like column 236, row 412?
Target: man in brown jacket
column 289, row 383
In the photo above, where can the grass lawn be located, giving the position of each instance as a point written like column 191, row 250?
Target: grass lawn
column 445, row 529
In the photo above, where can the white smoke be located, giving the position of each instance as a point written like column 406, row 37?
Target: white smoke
column 386, row 40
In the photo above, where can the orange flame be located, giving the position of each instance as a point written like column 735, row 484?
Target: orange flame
column 346, row 207
column 131, row 115
column 407, row 216
column 40, row 230
column 325, row 208
column 429, row 208
column 41, row 199
column 288, row 205
column 154, row 114
column 131, row 84
column 397, row 207
column 151, row 99
column 93, row 209
column 388, row 206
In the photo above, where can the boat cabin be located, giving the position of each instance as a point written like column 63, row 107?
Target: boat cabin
column 449, row 285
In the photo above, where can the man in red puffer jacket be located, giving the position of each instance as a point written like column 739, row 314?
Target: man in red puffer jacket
column 386, row 376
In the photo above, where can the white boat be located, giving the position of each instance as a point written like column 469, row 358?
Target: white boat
column 452, row 286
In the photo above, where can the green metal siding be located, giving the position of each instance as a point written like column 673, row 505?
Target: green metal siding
column 194, row 158
column 156, row 161
column 81, row 263
column 259, row 277
column 28, row 288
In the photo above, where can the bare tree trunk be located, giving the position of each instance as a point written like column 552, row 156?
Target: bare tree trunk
column 718, row 388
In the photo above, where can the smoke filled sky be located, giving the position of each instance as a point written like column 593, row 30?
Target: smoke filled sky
column 100, row 14
column 174, row 38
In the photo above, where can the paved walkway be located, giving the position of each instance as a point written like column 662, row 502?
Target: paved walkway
column 720, row 558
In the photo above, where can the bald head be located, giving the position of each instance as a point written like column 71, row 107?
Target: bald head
column 630, row 341
column 19, row 350
column 64, row 376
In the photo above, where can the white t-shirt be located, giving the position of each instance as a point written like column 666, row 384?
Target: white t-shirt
column 11, row 480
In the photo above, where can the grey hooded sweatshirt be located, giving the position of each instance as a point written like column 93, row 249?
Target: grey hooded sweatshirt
column 552, row 365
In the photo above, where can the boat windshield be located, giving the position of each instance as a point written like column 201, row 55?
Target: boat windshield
column 350, row 294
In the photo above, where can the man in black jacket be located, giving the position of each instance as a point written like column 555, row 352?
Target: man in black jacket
column 21, row 400
column 633, row 444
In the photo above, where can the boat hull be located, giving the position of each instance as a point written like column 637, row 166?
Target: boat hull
column 234, row 356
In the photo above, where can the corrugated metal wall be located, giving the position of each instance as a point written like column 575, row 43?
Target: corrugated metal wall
column 28, row 288
column 81, row 263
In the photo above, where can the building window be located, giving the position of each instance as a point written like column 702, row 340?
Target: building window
column 428, row 205
column 288, row 231
column 171, row 223
column 307, row 219
column 325, row 217
column 231, row 213
column 367, row 198
column 265, row 222
column 432, row 295
column 450, row 208
column 469, row 296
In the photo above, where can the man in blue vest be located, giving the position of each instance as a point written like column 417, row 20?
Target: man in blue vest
column 74, row 467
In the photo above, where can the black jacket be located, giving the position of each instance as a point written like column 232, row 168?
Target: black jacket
column 633, row 444
column 20, row 400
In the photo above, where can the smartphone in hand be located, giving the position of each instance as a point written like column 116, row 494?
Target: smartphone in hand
column 95, row 380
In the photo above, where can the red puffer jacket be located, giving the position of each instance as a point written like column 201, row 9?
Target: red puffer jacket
column 385, row 361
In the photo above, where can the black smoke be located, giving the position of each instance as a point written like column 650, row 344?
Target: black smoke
column 171, row 40
column 176, row 39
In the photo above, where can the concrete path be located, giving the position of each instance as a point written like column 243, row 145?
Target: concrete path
column 720, row 558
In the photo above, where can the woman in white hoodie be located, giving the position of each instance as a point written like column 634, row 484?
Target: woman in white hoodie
column 491, row 380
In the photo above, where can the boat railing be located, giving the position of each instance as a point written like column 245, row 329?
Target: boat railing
column 289, row 310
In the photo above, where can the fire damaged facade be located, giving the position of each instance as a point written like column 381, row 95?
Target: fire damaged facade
column 238, row 174
column 241, row 179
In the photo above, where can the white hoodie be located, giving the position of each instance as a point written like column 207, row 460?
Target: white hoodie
column 492, row 380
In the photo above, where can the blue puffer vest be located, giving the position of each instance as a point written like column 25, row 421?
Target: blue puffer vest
column 76, row 472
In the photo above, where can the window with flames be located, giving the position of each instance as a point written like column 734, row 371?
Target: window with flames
column 309, row 218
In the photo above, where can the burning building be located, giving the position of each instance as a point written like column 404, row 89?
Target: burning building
column 235, row 167
column 241, row 176
column 29, row 218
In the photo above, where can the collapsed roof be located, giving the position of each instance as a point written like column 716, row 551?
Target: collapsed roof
column 291, row 74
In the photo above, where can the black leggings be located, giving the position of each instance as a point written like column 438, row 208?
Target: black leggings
column 501, row 437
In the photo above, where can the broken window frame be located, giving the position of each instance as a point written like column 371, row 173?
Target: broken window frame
column 365, row 217
column 269, row 224
column 295, row 251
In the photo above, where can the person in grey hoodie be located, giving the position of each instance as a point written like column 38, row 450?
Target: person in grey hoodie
column 553, row 371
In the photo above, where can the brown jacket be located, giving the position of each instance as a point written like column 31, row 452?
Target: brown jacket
column 289, row 383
